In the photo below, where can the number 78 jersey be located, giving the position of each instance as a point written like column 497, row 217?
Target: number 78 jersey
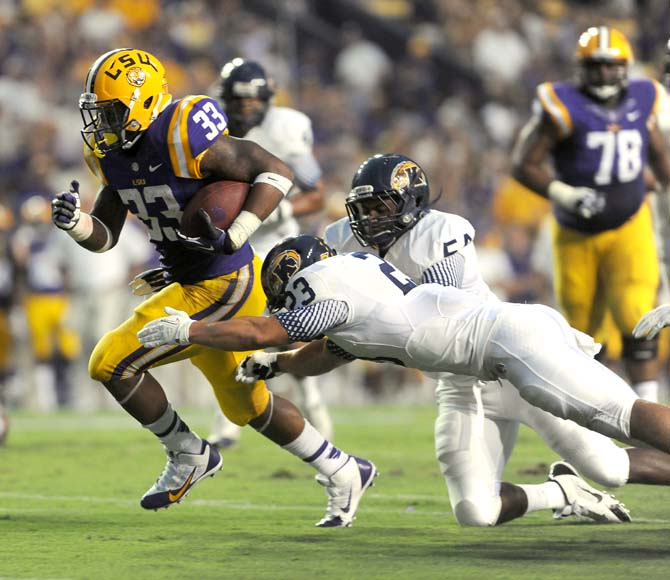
column 602, row 148
column 427, row 327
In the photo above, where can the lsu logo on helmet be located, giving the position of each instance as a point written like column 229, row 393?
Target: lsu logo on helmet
column 125, row 90
column 136, row 76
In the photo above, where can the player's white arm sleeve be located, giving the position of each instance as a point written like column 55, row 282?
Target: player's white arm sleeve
column 306, row 170
column 313, row 321
column 447, row 272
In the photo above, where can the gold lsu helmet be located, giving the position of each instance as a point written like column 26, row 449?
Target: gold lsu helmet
column 125, row 91
column 603, row 44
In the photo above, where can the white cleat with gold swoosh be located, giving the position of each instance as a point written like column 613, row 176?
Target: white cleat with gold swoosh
column 182, row 472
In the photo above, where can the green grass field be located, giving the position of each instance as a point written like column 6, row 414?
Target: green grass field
column 69, row 508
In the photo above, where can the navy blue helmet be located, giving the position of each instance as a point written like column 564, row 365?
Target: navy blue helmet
column 389, row 194
column 286, row 259
column 241, row 81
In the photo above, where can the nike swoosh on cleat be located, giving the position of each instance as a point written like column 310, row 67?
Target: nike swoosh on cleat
column 173, row 497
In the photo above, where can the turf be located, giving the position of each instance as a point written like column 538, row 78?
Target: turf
column 69, row 508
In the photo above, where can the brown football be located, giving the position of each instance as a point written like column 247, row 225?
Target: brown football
column 222, row 200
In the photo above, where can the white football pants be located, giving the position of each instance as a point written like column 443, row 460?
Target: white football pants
column 473, row 447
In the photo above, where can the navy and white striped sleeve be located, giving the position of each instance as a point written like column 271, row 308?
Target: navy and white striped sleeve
column 313, row 321
column 447, row 272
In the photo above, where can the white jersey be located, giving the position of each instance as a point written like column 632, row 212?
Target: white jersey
column 428, row 327
column 287, row 134
column 435, row 237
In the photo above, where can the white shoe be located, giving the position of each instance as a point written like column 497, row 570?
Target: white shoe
column 345, row 489
column 182, row 472
column 584, row 500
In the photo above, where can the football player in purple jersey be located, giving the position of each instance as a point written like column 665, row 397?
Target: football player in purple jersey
column 151, row 154
column 601, row 132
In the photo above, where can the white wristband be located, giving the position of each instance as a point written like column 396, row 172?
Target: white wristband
column 562, row 193
column 242, row 227
column 83, row 229
column 280, row 182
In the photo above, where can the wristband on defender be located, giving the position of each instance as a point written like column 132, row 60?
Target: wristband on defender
column 277, row 181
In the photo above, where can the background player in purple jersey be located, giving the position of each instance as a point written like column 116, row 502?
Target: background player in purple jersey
column 601, row 132
column 151, row 155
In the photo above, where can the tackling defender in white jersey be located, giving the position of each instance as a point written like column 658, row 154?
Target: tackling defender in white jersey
column 245, row 92
column 370, row 310
column 388, row 215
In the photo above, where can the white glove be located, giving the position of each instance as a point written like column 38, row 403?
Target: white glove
column 583, row 201
column 652, row 322
column 172, row 329
column 258, row 366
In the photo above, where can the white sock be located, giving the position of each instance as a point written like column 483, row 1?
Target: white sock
column 313, row 448
column 544, row 496
column 647, row 390
column 174, row 433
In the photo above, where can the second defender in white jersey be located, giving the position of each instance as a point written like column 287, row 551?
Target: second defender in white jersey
column 368, row 309
column 246, row 94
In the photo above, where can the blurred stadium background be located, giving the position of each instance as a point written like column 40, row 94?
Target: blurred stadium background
column 446, row 82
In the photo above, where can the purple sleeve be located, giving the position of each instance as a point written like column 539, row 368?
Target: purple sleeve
column 206, row 122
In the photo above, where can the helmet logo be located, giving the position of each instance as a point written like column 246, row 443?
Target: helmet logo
column 136, row 76
column 282, row 269
column 405, row 174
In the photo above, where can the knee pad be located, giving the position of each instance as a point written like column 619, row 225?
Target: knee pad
column 639, row 350
column 481, row 513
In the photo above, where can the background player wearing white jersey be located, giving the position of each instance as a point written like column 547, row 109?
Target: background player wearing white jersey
column 245, row 92
column 359, row 306
column 389, row 215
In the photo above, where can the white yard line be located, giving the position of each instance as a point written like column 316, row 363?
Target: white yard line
column 207, row 503
column 234, row 505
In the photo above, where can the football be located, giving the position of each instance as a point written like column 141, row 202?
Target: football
column 222, row 200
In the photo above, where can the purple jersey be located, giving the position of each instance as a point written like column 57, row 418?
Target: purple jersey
column 157, row 178
column 601, row 148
